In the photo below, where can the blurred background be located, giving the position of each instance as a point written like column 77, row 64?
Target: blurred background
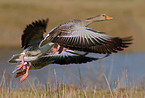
column 128, row 20
column 128, row 17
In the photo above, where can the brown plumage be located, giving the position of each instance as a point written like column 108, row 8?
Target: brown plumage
column 116, row 44
column 33, row 33
column 75, row 35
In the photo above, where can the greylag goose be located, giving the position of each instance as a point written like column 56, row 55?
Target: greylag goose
column 34, row 57
column 75, row 35
column 66, row 57
column 31, row 38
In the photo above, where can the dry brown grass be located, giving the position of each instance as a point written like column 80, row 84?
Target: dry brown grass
column 128, row 17
column 65, row 91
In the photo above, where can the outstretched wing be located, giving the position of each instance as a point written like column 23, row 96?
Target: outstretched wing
column 74, row 35
column 81, row 38
column 66, row 57
column 33, row 33
column 116, row 44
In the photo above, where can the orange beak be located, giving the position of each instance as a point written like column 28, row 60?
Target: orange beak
column 108, row 18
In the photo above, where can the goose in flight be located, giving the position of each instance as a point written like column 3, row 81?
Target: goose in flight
column 31, row 37
column 75, row 35
column 34, row 57
column 65, row 58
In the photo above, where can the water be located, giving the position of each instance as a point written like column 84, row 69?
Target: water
column 127, row 68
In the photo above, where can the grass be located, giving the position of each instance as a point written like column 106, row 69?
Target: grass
column 68, row 91
column 128, row 17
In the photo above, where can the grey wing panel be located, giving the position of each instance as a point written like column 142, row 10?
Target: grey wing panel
column 116, row 44
column 81, row 37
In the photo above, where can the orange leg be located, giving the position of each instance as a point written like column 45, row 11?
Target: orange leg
column 25, row 75
column 60, row 49
column 55, row 48
column 22, row 63
column 21, row 72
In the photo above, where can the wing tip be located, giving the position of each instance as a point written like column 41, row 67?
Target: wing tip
column 30, row 29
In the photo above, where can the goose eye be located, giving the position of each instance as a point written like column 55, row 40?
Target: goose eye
column 103, row 15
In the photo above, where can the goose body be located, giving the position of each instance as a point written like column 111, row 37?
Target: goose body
column 31, row 54
column 35, row 57
column 65, row 58
column 31, row 37
column 75, row 35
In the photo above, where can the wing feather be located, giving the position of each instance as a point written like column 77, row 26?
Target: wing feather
column 85, row 38
column 63, row 58
column 81, row 38
column 115, row 45
column 33, row 33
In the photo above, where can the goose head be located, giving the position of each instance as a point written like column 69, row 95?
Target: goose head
column 101, row 17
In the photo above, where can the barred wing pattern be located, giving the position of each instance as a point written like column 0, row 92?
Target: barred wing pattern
column 116, row 44
column 64, row 58
column 81, row 38
column 73, row 35
column 33, row 33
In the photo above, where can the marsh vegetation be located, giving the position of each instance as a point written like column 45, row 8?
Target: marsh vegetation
column 128, row 19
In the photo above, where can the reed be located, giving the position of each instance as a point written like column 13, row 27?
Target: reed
column 70, row 91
